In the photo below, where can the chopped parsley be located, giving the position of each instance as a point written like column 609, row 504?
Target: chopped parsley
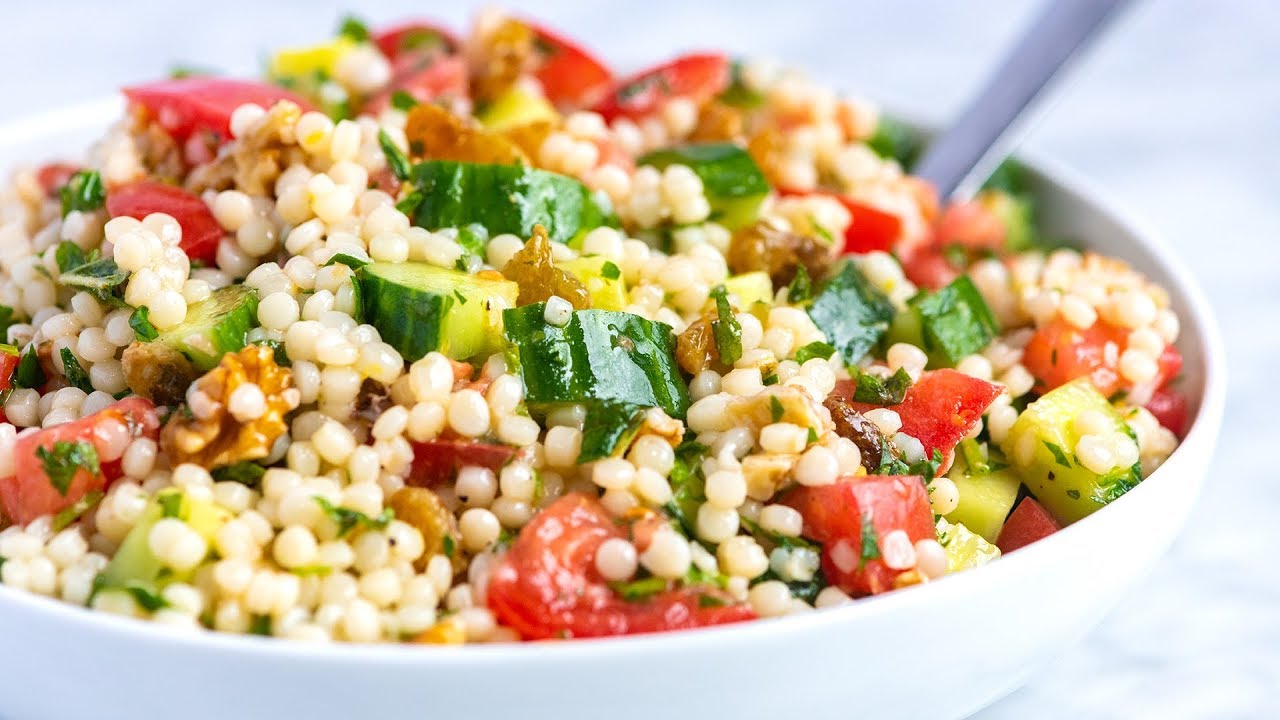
column 448, row 545
column 875, row 391
column 350, row 261
column 140, row 321
column 609, row 271
column 170, row 504
column 74, row 372
column 65, row 459
column 726, row 328
column 99, row 277
column 246, row 473
column 403, row 102
column 146, row 598
column 776, row 411
column 66, row 516
column 813, row 436
column 68, row 256
column 1058, row 455
column 461, row 298
column 84, row 192
column 687, row 486
column 29, row 373
column 396, row 159
column 817, row 349
column 347, row 519
column 801, row 287
column 354, row 29
column 260, row 625
column 639, row 590
column 870, row 541
column 956, row 320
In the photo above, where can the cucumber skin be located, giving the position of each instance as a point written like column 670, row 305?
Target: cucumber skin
column 733, row 183
column 410, row 322
column 583, row 362
column 228, row 334
column 503, row 198
column 1050, row 420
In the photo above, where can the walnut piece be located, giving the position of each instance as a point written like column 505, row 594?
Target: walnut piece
column 208, row 435
column 253, row 163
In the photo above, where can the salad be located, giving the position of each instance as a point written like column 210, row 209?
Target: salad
column 444, row 339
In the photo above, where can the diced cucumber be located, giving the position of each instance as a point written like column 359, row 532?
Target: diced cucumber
column 852, row 313
column 965, row 549
column 1041, row 447
column 894, row 141
column 985, row 499
column 731, row 180
column 215, row 326
column 751, row 288
column 1017, row 212
column 739, row 94
column 949, row 324
column 503, row 198
column 600, row 356
column 516, row 106
column 419, row 308
column 602, row 278
column 135, row 565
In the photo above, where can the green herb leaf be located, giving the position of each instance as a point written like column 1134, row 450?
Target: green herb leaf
column 852, row 313
column 609, row 271
column 1116, row 483
column 462, row 299
column 181, row 71
column 971, row 451
column 870, row 541
column 639, row 590
column 711, row 601
column 347, row 519
column 170, row 504
column 6, row 319
column 396, row 159
column 687, row 486
column 146, row 598
column 608, row 426
column 1073, row 494
column 768, row 538
column 816, row 349
column 874, row 391
column 893, row 140
column 447, row 544
column 354, row 29
column 84, row 192
column 350, row 261
column 770, row 379
column 245, row 472
column 68, row 255
column 29, row 373
column 813, row 436
column 101, row 278
column 1059, row 456
column 726, row 328
column 140, row 321
column 776, row 411
column 260, row 625
column 62, row 462
column 956, row 321
column 822, row 231
column 801, row 287
column 403, row 102
column 66, row 516
column 281, row 355
column 75, row 374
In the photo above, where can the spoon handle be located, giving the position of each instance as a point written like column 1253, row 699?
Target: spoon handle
column 964, row 155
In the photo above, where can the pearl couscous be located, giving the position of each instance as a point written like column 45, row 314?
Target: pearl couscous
column 443, row 340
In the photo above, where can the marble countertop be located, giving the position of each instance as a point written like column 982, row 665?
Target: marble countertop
column 1177, row 115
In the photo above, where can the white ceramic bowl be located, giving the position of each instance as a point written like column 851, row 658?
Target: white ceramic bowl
column 942, row 650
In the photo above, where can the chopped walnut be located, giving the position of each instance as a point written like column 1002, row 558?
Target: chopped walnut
column 498, row 54
column 208, row 435
column 778, row 252
column 766, row 474
column 530, row 136
column 795, row 407
column 157, row 150
column 253, row 163
column 424, row 510
column 532, row 269
column 437, row 134
column 157, row 372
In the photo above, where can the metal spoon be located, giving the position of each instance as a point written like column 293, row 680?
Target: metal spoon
column 959, row 159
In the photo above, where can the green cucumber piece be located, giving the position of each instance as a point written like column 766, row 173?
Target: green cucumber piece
column 965, row 549
column 1041, row 448
column 986, row 498
column 852, row 313
column 502, row 198
column 419, row 308
column 893, row 140
column 215, row 326
column 731, row 180
column 955, row 322
column 603, row 280
column 751, row 288
column 599, row 356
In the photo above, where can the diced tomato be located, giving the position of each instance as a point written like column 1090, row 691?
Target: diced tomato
column 547, row 585
column 185, row 106
column 696, row 76
column 1027, row 523
column 971, row 224
column 424, row 81
column 1059, row 352
column 437, row 461
column 415, row 37
column 201, row 232
column 53, row 176
column 849, row 515
column 871, row 229
column 570, row 76
column 1168, row 365
column 28, row 493
column 1170, row 408
column 928, row 268
column 939, row 410
column 8, row 363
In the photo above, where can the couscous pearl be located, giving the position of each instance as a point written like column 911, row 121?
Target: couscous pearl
column 294, row 547
column 944, row 496
column 781, row 519
column 667, row 556
column 726, row 489
column 479, row 527
column 715, row 524
column 176, row 545
column 468, row 413
column 817, row 466
column 616, row 560
column 613, row 473
column 831, row 597
column 931, row 558
column 476, row 486
column 742, row 556
column 770, row 598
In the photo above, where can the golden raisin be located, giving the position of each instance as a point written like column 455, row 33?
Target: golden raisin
column 854, row 425
column 157, row 372
column 717, row 122
column 696, row 347
column 208, row 435
column 499, row 57
column 765, row 247
column 437, row 134
column 532, row 269
column 424, row 510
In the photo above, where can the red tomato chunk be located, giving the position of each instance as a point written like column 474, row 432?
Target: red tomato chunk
column 1027, row 523
column 438, row 461
column 204, row 104
column 547, row 585
column 30, row 492
column 697, row 76
column 865, row 524
column 201, row 232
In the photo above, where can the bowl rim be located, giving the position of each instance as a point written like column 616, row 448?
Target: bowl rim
column 1054, row 174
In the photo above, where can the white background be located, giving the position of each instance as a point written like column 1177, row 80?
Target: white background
column 1177, row 115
